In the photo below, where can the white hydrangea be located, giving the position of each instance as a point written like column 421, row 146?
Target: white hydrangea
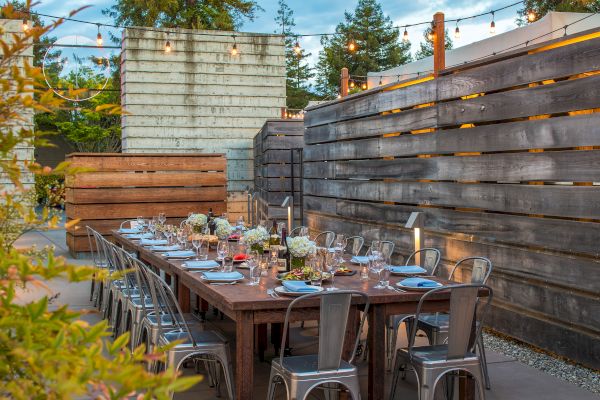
column 223, row 229
column 256, row 236
column 197, row 220
column 301, row 246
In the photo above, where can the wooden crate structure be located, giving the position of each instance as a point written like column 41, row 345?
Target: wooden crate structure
column 274, row 158
column 124, row 186
column 503, row 158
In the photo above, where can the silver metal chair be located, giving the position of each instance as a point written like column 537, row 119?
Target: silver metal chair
column 301, row 374
column 297, row 231
column 127, row 222
column 99, row 262
column 431, row 363
column 197, row 344
column 354, row 245
column 431, row 261
column 325, row 239
column 435, row 326
column 387, row 248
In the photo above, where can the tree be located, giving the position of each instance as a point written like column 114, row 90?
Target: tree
column 197, row 14
column 298, row 87
column 426, row 46
column 543, row 7
column 376, row 41
column 50, row 352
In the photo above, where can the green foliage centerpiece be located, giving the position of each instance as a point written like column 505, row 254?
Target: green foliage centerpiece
column 300, row 247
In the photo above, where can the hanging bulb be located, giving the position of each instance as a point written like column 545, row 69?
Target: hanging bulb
column 457, row 33
column 405, row 36
column 234, row 50
column 25, row 25
column 364, row 86
column 99, row 37
column 351, row 46
column 297, row 48
column 352, row 84
column 100, row 61
column 430, row 35
column 492, row 25
column 531, row 16
column 380, row 81
column 168, row 47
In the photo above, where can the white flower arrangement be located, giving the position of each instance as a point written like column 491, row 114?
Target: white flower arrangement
column 256, row 236
column 197, row 220
column 301, row 246
column 223, row 229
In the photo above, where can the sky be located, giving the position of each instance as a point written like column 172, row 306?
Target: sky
column 318, row 16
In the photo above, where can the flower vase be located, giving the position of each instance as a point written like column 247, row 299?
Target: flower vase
column 257, row 247
column 298, row 262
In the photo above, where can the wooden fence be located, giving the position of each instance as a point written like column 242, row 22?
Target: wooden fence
column 274, row 159
column 503, row 157
column 124, row 186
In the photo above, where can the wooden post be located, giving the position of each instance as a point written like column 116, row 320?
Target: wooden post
column 439, row 42
column 283, row 112
column 345, row 77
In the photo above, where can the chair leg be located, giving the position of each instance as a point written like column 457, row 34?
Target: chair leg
column 272, row 385
column 426, row 386
column 484, row 367
column 395, row 378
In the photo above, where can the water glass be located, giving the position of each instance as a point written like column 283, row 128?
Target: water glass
column 384, row 275
column 203, row 249
column 316, row 275
column 228, row 264
column 197, row 243
column 162, row 217
column 140, row 221
column 331, row 266
column 255, row 274
column 340, row 242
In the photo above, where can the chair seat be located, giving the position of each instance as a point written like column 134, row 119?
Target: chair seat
column 434, row 354
column 200, row 336
column 398, row 318
column 137, row 302
column 439, row 322
column 308, row 365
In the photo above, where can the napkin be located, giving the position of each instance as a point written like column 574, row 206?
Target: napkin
column 408, row 269
column 299, row 286
column 129, row 230
column 208, row 264
column 360, row 259
column 165, row 248
column 180, row 253
column 153, row 242
column 138, row 235
column 223, row 276
column 419, row 282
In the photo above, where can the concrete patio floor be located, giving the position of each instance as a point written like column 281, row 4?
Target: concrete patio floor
column 510, row 379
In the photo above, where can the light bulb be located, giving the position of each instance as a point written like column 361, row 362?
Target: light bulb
column 25, row 25
column 352, row 84
column 364, row 86
column 234, row 50
column 430, row 36
column 380, row 81
column 168, row 47
column 492, row 28
column 457, row 33
column 351, row 46
column 99, row 39
column 405, row 36
column 531, row 16
column 297, row 48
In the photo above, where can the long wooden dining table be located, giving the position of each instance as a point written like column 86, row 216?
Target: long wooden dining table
column 248, row 306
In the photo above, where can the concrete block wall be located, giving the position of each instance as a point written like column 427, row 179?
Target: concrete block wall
column 23, row 151
column 199, row 98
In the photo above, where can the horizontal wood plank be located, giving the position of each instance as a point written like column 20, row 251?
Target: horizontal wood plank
column 172, row 209
column 149, row 162
column 159, row 179
column 144, row 195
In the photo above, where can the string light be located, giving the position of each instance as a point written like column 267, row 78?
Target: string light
column 352, row 84
column 234, row 50
column 351, row 46
column 430, row 34
column 405, row 36
column 492, row 25
column 530, row 16
column 25, row 25
column 364, row 86
column 297, row 48
column 380, row 81
column 168, row 47
column 457, row 31
column 99, row 37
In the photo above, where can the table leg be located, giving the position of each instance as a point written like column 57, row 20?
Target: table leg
column 183, row 296
column 376, row 351
column 244, row 366
column 261, row 330
column 466, row 387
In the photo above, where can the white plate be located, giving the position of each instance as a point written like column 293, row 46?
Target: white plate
column 220, row 280
column 418, row 289
column 282, row 290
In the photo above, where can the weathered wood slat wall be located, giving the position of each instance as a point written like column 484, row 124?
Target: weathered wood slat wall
column 503, row 158
column 273, row 164
column 124, row 186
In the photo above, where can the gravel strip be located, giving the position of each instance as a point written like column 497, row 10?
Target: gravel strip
column 535, row 358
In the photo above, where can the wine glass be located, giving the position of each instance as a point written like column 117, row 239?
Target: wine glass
column 162, row 217
column 331, row 266
column 222, row 251
column 252, row 262
column 340, row 242
column 140, row 221
column 182, row 238
column 168, row 234
column 197, row 242
column 152, row 227
column 376, row 264
column 316, row 274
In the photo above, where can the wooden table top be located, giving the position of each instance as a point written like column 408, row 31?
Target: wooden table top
column 241, row 296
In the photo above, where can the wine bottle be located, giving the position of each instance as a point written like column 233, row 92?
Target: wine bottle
column 211, row 221
column 274, row 239
column 284, row 249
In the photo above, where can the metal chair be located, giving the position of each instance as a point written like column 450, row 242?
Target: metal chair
column 431, row 363
column 297, row 231
column 129, row 221
column 301, row 374
column 430, row 263
column 325, row 239
column 98, row 260
column 197, row 344
column 387, row 248
column 435, row 326
column 354, row 245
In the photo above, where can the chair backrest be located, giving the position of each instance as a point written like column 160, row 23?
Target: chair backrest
column 128, row 222
column 297, row 230
column 355, row 244
column 334, row 309
column 325, row 239
column 431, row 259
column 464, row 302
column 93, row 245
column 480, row 270
column 387, row 248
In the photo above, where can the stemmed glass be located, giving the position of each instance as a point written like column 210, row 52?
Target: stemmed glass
column 340, row 242
column 162, row 218
column 377, row 265
column 140, row 222
column 253, row 262
column 222, row 251
column 152, row 227
column 182, row 238
column 197, row 242
column 331, row 266
column 168, row 232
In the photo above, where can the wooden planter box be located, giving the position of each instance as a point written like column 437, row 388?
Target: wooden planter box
column 124, row 186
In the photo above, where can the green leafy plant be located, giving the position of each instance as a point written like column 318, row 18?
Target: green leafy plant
column 50, row 190
column 48, row 352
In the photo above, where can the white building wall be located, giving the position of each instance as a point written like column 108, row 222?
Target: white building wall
column 199, row 98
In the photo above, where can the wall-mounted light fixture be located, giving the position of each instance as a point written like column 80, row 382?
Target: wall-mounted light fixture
column 416, row 221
